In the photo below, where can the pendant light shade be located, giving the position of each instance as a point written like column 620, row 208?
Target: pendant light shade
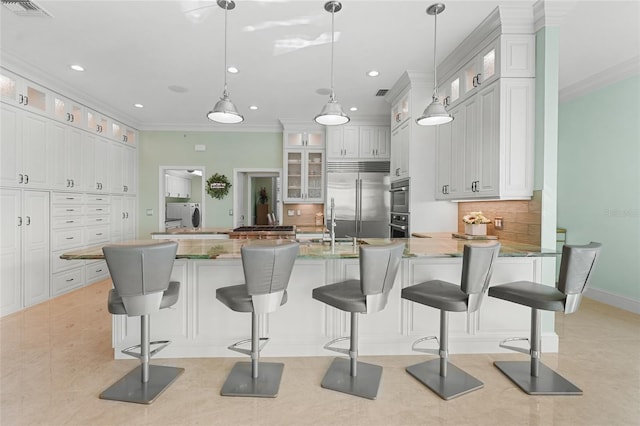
column 332, row 113
column 225, row 111
column 435, row 113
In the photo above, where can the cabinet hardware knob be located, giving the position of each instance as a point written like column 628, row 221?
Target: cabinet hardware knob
column 69, row 280
column 26, row 178
column 73, row 118
column 73, row 184
column 21, row 178
column 19, row 220
column 26, row 100
column 69, row 238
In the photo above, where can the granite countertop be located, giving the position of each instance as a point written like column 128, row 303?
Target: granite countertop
column 204, row 231
column 439, row 245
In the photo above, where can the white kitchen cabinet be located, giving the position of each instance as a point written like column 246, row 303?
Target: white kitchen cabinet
column 67, row 111
column 23, row 93
column 24, row 149
column 294, row 138
column 343, row 143
column 491, row 139
column 177, row 186
column 375, row 143
column 95, row 152
column 122, row 168
column 24, row 223
column 304, row 176
column 64, row 148
column 400, row 151
column 97, row 123
column 123, row 218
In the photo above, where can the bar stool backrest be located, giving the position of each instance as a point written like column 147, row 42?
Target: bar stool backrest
column 576, row 269
column 267, row 270
column 378, row 269
column 141, row 273
column 477, row 267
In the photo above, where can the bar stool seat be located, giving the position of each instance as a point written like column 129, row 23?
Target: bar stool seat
column 346, row 296
column 237, row 298
column 576, row 269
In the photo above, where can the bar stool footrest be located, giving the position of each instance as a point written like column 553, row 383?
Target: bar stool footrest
column 240, row 383
column 161, row 344
column 456, row 383
column 328, row 346
column 526, row 351
column 235, row 347
column 548, row 382
column 426, row 350
column 131, row 389
column 365, row 385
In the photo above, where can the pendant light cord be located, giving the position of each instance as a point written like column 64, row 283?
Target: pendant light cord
column 435, row 68
column 333, row 9
column 225, row 94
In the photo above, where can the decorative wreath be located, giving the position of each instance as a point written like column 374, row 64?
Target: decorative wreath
column 218, row 186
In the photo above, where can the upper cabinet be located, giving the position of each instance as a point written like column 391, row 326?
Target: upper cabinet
column 67, row 111
column 304, row 163
column 486, row 152
column 353, row 143
column 23, row 93
column 308, row 139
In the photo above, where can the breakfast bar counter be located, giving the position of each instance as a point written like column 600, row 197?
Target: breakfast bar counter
column 199, row 325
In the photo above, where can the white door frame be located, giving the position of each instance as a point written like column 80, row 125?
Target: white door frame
column 240, row 191
column 162, row 190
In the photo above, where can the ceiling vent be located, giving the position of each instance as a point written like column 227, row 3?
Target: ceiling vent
column 25, row 8
column 382, row 92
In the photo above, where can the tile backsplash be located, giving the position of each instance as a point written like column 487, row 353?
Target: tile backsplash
column 521, row 219
column 307, row 216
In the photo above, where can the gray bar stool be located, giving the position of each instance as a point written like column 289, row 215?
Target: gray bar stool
column 576, row 269
column 267, row 269
column 445, row 379
column 378, row 269
column 141, row 277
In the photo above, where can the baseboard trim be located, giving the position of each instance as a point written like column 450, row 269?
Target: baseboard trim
column 615, row 300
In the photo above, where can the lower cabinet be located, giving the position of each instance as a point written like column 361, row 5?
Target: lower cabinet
column 24, row 253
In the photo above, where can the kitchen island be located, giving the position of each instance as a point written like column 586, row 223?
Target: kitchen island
column 199, row 325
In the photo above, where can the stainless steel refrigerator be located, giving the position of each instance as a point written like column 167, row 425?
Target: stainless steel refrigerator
column 360, row 192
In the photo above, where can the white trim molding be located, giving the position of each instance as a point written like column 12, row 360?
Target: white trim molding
column 615, row 300
column 550, row 13
column 613, row 74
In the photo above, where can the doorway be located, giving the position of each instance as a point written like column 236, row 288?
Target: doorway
column 180, row 184
column 256, row 192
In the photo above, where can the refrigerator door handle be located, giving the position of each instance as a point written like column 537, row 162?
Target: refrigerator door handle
column 357, row 206
column 359, row 220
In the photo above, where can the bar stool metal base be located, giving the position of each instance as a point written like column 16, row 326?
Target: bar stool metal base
column 548, row 382
column 131, row 389
column 456, row 383
column 365, row 384
column 266, row 385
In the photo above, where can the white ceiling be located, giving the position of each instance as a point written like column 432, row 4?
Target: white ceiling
column 134, row 51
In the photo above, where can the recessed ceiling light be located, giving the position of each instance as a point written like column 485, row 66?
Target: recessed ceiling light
column 138, row 105
column 253, row 107
column 373, row 73
column 353, row 109
column 233, row 70
column 77, row 67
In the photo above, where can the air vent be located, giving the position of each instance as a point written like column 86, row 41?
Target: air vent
column 382, row 92
column 25, row 8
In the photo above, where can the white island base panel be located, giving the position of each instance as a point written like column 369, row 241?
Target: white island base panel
column 201, row 326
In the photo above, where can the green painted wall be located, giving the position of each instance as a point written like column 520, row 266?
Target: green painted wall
column 224, row 152
column 599, row 181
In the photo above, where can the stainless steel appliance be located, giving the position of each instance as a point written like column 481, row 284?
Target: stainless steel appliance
column 399, row 225
column 360, row 191
column 400, row 196
column 188, row 213
column 264, row 232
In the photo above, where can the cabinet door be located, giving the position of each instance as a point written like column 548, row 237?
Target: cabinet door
column 314, row 176
column 297, row 139
column 470, row 145
column 10, row 148
column 130, row 215
column 35, row 247
column 294, row 163
column 374, row 142
column 74, row 157
column 335, row 143
column 116, row 167
column 488, row 144
column 130, row 170
column 10, row 250
column 117, row 218
column 34, row 150
column 56, row 146
column 443, row 161
column 96, row 163
column 404, row 146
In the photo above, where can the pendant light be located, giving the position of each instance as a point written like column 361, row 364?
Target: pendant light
column 435, row 113
column 225, row 111
column 332, row 113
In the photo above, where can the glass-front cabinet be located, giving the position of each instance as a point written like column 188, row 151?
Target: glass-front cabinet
column 304, row 171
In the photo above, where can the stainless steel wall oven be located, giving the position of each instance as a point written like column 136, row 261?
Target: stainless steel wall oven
column 399, row 225
column 400, row 196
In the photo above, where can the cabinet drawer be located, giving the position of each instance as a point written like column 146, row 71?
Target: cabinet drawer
column 67, row 198
column 98, row 199
column 98, row 209
column 97, row 220
column 96, row 234
column 96, row 271
column 67, row 281
column 66, row 222
column 59, row 265
column 66, row 238
column 67, row 210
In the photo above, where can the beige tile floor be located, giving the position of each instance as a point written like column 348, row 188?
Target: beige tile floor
column 56, row 359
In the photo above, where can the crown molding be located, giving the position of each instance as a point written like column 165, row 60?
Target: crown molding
column 409, row 79
column 613, row 74
column 551, row 13
column 212, row 127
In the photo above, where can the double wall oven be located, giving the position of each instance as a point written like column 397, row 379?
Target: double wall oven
column 399, row 220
